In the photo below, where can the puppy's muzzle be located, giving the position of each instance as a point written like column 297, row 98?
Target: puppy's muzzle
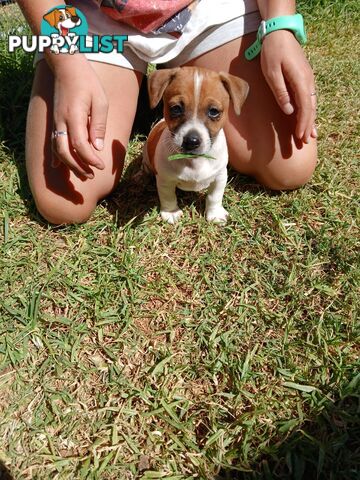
column 191, row 141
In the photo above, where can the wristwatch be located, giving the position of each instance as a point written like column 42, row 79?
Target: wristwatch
column 294, row 23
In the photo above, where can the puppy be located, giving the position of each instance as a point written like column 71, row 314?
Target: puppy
column 196, row 103
column 63, row 19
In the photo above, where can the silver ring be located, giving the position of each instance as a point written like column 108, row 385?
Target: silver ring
column 59, row 133
column 313, row 94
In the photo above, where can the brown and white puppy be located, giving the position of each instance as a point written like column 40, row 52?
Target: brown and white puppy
column 196, row 103
column 63, row 19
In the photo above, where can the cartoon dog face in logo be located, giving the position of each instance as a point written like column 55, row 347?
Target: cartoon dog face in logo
column 63, row 19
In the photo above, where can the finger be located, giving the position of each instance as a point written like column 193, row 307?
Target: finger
column 310, row 122
column 78, row 133
column 299, row 83
column 312, row 132
column 304, row 109
column 97, row 125
column 61, row 150
column 276, row 81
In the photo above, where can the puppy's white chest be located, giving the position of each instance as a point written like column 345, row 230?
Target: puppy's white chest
column 196, row 174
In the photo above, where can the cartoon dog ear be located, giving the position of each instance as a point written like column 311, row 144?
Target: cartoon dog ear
column 157, row 83
column 72, row 11
column 237, row 88
column 51, row 18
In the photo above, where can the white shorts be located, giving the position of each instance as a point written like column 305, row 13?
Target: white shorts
column 211, row 25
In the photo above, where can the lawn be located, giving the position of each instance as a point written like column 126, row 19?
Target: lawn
column 131, row 349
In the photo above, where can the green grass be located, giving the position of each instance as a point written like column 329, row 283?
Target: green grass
column 130, row 349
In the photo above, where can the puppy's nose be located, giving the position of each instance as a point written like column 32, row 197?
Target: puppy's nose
column 191, row 141
column 75, row 18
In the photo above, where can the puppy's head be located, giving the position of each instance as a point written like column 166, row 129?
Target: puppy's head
column 196, row 103
column 63, row 19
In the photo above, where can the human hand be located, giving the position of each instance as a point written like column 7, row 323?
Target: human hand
column 291, row 80
column 80, row 109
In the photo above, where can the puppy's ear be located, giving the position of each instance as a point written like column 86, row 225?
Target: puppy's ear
column 157, row 83
column 237, row 88
column 72, row 11
column 51, row 18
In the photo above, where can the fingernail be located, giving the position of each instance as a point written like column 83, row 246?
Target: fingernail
column 99, row 143
column 314, row 132
column 288, row 109
column 307, row 139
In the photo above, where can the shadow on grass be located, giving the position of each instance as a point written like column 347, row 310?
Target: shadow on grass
column 4, row 472
column 133, row 199
column 327, row 447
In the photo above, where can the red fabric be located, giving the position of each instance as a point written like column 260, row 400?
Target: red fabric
column 145, row 15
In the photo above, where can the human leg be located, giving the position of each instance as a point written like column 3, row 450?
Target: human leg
column 261, row 140
column 60, row 195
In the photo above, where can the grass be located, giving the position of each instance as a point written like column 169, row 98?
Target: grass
column 130, row 349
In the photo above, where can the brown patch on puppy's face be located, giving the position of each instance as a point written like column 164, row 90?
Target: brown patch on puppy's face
column 196, row 94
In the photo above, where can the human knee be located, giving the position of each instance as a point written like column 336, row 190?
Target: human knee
column 288, row 174
column 56, row 213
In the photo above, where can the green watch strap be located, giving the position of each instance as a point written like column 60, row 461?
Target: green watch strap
column 295, row 23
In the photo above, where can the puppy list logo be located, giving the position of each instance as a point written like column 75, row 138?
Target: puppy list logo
column 64, row 29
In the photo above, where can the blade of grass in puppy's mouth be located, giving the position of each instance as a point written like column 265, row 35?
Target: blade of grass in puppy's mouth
column 178, row 156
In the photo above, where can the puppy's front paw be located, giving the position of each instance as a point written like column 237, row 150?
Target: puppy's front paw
column 171, row 217
column 216, row 215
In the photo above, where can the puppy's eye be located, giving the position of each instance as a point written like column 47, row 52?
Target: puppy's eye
column 214, row 113
column 176, row 111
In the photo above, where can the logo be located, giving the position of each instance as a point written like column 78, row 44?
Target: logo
column 64, row 29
